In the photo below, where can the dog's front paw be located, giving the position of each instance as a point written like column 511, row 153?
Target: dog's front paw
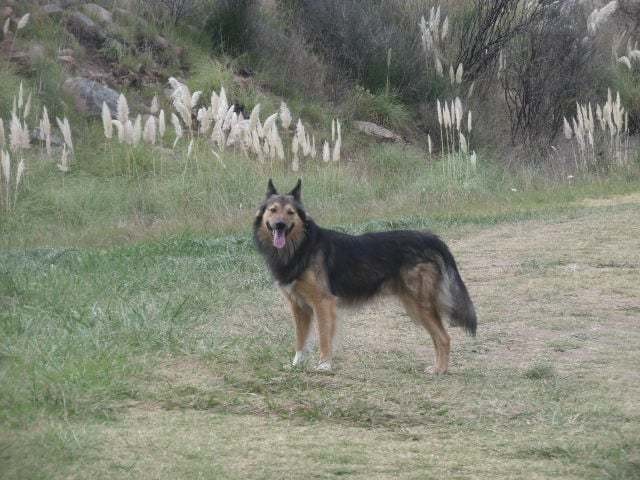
column 324, row 366
column 298, row 359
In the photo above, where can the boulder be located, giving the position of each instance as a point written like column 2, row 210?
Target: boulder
column 51, row 9
column 85, row 29
column 30, row 56
column 377, row 131
column 89, row 95
column 96, row 11
column 37, row 135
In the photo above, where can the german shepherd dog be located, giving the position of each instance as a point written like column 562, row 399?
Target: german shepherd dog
column 315, row 268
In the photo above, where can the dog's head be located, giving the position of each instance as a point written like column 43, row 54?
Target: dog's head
column 281, row 218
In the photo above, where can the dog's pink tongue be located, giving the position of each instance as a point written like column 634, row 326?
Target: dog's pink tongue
column 279, row 239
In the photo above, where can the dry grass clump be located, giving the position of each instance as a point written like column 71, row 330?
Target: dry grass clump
column 19, row 139
column 223, row 127
column 433, row 35
column 612, row 136
column 455, row 124
column 631, row 57
column 9, row 181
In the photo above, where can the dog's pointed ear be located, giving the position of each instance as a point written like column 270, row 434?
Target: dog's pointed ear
column 271, row 189
column 297, row 190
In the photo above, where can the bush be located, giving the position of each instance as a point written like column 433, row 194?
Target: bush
column 229, row 26
column 355, row 38
column 383, row 109
column 546, row 70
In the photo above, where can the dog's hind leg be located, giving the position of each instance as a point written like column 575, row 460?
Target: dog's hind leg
column 419, row 299
column 427, row 316
column 325, row 311
column 302, row 319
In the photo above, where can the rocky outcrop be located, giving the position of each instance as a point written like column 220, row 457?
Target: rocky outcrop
column 85, row 30
column 377, row 131
column 52, row 9
column 89, row 95
column 96, row 11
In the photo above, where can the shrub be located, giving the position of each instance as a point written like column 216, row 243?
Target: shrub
column 383, row 109
column 544, row 71
column 229, row 26
column 355, row 38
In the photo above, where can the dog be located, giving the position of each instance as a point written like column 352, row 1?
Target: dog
column 317, row 268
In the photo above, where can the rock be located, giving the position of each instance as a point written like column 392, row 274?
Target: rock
column 160, row 43
column 96, row 11
column 36, row 52
column 38, row 136
column 89, row 95
column 27, row 58
column 51, row 9
column 85, row 29
column 377, row 131
column 67, row 60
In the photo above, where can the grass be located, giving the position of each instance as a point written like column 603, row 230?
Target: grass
column 116, row 194
column 166, row 358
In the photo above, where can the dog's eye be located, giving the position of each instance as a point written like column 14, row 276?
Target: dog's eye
column 290, row 212
column 273, row 209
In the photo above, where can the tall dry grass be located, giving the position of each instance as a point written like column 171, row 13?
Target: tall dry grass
column 222, row 127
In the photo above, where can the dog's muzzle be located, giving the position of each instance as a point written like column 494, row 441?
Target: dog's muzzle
column 279, row 231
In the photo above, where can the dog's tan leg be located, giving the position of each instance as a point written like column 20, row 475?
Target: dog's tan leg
column 325, row 310
column 302, row 319
column 441, row 340
column 426, row 314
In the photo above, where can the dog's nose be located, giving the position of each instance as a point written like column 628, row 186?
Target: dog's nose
column 280, row 226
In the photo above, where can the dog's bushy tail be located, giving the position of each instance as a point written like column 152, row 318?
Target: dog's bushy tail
column 454, row 302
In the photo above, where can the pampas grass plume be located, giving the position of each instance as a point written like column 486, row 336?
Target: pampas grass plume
column 123, row 109
column 106, row 121
column 5, row 163
column 326, row 152
column 63, row 165
column 190, row 149
column 463, row 143
column 155, row 105
column 285, row 116
column 177, row 127
column 20, row 173
column 27, row 107
column 445, row 28
column 566, row 127
column 119, row 130
column 65, row 129
column 45, row 127
column 162, row 125
column 24, row 20
column 459, row 73
column 149, row 134
column 20, row 97
column 137, row 130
